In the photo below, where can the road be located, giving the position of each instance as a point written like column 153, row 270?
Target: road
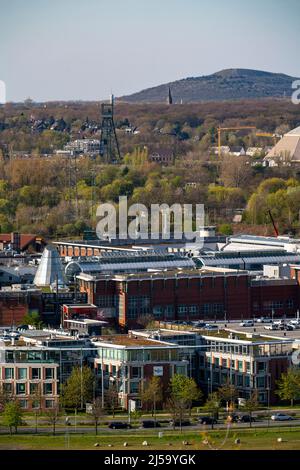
column 197, row 427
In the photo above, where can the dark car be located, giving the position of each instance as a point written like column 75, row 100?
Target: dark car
column 149, row 423
column 119, row 425
column 246, row 419
column 207, row 420
column 184, row 422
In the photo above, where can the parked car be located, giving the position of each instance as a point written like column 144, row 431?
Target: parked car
column 207, row 420
column 199, row 324
column 247, row 323
column 233, row 418
column 246, row 419
column 281, row 417
column 150, row 423
column 184, row 422
column 289, row 327
column 119, row 425
column 211, row 327
column 264, row 320
column 295, row 322
column 272, row 327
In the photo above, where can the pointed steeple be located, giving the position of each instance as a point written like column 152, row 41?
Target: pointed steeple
column 169, row 99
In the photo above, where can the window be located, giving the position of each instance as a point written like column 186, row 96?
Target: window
column 33, row 387
column 260, row 366
column 224, row 363
column 248, row 366
column 35, row 373
column 182, row 309
column 49, row 403
column 239, row 380
column 21, row 389
column 8, row 388
column 136, row 372
column 240, row 366
column 49, row 373
column 158, row 311
column 193, row 309
column 290, row 303
column 36, row 405
column 48, row 389
column 134, row 387
column 247, row 381
column 260, row 382
column 217, row 362
column 9, row 373
column 169, row 311
column 23, row 403
column 22, row 373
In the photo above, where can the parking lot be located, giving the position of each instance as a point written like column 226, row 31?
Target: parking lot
column 259, row 329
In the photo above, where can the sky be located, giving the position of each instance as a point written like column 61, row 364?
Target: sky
column 88, row 49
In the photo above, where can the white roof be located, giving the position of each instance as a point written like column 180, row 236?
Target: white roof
column 294, row 132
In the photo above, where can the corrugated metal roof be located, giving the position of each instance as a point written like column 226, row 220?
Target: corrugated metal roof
column 50, row 269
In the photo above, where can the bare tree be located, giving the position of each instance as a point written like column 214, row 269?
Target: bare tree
column 97, row 413
column 52, row 416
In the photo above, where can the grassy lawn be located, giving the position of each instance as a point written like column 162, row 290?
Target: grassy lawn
column 249, row 440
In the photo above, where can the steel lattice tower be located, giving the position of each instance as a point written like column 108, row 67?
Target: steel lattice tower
column 109, row 145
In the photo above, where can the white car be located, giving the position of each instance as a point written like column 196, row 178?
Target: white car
column 295, row 322
column 272, row 327
column 247, row 323
column 264, row 320
column 281, row 417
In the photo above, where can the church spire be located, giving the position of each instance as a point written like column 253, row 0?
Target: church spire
column 169, row 99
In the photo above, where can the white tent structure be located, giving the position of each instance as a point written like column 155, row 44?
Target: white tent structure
column 287, row 150
column 50, row 271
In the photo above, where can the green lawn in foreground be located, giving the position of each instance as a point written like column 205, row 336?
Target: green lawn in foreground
column 249, row 440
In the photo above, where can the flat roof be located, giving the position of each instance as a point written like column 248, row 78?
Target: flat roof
column 131, row 341
column 86, row 321
column 168, row 274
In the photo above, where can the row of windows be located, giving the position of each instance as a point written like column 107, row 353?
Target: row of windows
column 21, row 388
column 273, row 305
column 35, row 404
column 141, row 306
column 238, row 380
column 22, row 373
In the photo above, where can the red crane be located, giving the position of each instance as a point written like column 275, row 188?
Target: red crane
column 273, row 223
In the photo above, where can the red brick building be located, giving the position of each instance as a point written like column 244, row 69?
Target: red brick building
column 189, row 295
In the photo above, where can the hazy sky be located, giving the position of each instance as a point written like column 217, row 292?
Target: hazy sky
column 86, row 49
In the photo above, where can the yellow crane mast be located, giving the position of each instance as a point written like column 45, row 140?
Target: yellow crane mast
column 220, row 129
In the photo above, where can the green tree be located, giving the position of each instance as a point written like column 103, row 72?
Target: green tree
column 183, row 391
column 228, row 394
column 152, row 393
column 33, row 319
column 79, row 388
column 213, row 405
column 12, row 415
column 289, row 386
column 251, row 405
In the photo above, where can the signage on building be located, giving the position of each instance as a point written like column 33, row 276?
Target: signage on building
column 158, row 371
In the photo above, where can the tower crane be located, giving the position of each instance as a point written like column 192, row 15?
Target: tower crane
column 220, row 129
